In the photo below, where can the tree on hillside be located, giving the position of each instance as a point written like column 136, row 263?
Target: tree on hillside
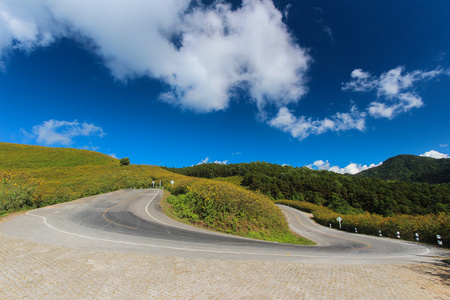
column 124, row 161
column 343, row 193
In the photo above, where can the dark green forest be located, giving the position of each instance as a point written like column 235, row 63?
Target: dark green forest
column 341, row 193
column 411, row 168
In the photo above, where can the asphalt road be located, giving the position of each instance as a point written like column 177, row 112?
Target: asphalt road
column 132, row 221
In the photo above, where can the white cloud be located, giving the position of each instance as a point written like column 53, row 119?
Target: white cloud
column 224, row 162
column 113, row 155
column 206, row 161
column 301, row 127
column 90, row 147
column 359, row 74
column 349, row 169
column 403, row 103
column 320, row 165
column 395, row 92
column 328, row 31
column 203, row 53
column 54, row 132
column 435, row 154
column 381, row 110
column 395, row 89
column 319, row 18
column 443, row 145
column 25, row 25
column 286, row 11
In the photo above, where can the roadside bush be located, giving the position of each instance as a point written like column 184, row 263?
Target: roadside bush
column 183, row 207
column 18, row 190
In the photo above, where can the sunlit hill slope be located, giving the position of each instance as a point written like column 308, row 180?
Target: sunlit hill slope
column 34, row 176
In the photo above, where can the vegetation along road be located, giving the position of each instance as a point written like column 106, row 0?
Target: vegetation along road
column 132, row 221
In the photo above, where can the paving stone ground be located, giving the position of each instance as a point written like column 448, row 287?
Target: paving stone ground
column 30, row 270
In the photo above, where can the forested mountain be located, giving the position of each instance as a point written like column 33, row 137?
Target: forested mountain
column 411, row 168
column 342, row 193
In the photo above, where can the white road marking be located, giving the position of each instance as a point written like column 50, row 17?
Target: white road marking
column 209, row 251
column 164, row 223
column 305, row 234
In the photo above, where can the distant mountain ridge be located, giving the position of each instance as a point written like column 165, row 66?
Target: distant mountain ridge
column 411, row 168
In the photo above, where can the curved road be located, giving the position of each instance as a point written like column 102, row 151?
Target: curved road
column 132, row 221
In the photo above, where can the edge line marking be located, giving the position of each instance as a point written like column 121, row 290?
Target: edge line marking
column 335, row 236
column 203, row 250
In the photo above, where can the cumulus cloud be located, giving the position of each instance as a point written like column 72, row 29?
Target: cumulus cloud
column 301, row 127
column 206, row 161
column 203, row 53
column 352, row 168
column 395, row 89
column 435, row 154
column 395, row 92
column 54, row 132
column 223, row 49
column 25, row 25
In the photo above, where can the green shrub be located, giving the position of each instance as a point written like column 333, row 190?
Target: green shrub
column 18, row 190
column 124, row 161
column 227, row 208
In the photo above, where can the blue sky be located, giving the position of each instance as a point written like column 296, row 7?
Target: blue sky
column 332, row 84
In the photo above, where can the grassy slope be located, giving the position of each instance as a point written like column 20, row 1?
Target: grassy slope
column 34, row 176
column 67, row 173
column 16, row 156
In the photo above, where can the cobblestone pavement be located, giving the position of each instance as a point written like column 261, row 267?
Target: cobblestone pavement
column 31, row 270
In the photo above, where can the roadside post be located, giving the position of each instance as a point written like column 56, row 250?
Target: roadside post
column 417, row 236
column 356, row 230
column 153, row 184
column 398, row 234
column 339, row 219
column 379, row 231
column 439, row 240
column 172, row 182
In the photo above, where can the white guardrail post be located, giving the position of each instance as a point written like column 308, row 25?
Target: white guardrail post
column 439, row 240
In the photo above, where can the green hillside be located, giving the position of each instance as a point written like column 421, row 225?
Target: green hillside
column 411, row 168
column 17, row 156
column 341, row 193
column 33, row 176
column 369, row 204
column 36, row 176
